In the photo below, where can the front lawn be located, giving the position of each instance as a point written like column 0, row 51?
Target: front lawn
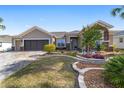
column 54, row 71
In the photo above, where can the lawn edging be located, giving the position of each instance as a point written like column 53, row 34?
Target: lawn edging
column 92, row 60
column 81, row 74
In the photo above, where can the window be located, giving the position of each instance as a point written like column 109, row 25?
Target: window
column 0, row 44
column 121, row 40
column 60, row 43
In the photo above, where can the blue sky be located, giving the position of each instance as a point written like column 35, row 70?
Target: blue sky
column 55, row 18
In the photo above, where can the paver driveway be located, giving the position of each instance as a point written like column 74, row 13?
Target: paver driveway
column 11, row 62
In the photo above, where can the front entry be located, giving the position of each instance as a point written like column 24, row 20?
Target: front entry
column 34, row 45
column 74, row 43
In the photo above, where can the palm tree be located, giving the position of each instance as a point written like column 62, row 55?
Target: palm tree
column 2, row 27
column 118, row 12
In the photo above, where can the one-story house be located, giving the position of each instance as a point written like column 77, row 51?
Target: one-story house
column 35, row 38
column 5, row 42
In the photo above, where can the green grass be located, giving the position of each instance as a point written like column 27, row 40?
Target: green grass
column 46, row 72
column 74, row 53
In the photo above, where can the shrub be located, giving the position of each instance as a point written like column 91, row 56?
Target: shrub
column 114, row 71
column 87, row 55
column 114, row 47
column 103, row 47
column 50, row 48
column 71, row 54
column 117, row 50
column 98, row 56
column 98, row 48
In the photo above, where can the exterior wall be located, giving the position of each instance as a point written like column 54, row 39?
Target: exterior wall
column 117, row 43
column 18, row 43
column 80, row 40
column 37, row 34
column 68, row 42
column 110, row 38
column 6, row 47
column 67, row 39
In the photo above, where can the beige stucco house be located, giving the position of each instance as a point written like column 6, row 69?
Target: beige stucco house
column 35, row 38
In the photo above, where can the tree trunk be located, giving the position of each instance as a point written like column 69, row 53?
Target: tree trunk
column 88, row 49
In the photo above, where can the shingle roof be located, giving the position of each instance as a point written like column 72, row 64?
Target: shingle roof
column 62, row 34
column 75, row 32
column 5, row 38
column 58, row 34
column 119, row 33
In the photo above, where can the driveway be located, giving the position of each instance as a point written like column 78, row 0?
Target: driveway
column 11, row 62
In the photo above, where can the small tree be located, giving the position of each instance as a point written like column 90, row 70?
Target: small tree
column 90, row 36
column 50, row 48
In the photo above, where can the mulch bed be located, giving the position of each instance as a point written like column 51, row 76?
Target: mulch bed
column 82, row 65
column 95, row 79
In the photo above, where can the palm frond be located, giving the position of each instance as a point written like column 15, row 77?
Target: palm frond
column 1, row 20
column 116, row 11
column 122, row 15
column 2, row 27
column 114, row 71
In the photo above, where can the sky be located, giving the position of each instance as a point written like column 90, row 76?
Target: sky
column 18, row 19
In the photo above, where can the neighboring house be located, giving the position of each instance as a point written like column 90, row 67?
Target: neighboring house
column 35, row 38
column 5, row 42
column 118, row 39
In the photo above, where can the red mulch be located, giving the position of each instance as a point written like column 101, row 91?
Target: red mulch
column 95, row 79
column 87, row 65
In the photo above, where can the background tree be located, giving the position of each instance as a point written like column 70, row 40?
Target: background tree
column 118, row 12
column 2, row 27
column 90, row 36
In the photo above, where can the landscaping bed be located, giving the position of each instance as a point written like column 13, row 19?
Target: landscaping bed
column 55, row 72
column 95, row 79
column 82, row 65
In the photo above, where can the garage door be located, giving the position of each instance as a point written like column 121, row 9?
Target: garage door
column 34, row 45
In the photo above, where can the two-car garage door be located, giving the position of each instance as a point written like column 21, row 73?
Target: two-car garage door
column 34, row 45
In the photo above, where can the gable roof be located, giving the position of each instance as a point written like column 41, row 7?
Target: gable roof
column 103, row 23
column 32, row 29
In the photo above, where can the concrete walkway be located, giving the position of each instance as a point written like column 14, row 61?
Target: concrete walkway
column 11, row 62
column 81, row 74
